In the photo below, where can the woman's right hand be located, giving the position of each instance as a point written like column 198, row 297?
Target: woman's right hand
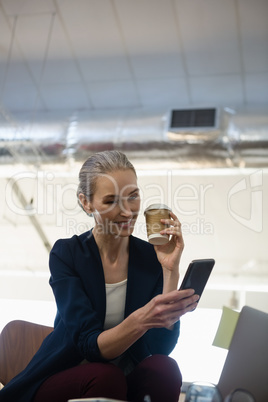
column 161, row 312
column 164, row 310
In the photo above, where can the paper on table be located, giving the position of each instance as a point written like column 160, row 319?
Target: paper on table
column 226, row 328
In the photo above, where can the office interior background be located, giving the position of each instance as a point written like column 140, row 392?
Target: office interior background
column 181, row 87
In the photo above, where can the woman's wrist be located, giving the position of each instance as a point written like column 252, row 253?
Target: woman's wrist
column 170, row 280
column 137, row 323
column 117, row 340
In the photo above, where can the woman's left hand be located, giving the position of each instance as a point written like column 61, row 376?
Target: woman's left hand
column 169, row 254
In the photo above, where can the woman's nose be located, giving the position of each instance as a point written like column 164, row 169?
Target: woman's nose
column 125, row 209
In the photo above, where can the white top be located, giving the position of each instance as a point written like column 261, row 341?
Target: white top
column 115, row 303
column 115, row 310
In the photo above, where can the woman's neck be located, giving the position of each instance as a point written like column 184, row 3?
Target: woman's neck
column 111, row 247
column 114, row 253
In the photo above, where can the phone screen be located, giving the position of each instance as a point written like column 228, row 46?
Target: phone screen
column 197, row 275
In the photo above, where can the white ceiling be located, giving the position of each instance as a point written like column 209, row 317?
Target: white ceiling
column 119, row 54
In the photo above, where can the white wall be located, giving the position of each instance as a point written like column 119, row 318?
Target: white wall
column 224, row 216
column 223, row 213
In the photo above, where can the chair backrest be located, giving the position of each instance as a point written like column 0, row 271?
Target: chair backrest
column 19, row 341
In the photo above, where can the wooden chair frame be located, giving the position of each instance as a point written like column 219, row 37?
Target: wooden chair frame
column 19, row 341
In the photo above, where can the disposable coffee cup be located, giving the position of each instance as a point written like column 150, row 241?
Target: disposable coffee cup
column 153, row 215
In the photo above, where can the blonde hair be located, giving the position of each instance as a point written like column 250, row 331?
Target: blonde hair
column 97, row 165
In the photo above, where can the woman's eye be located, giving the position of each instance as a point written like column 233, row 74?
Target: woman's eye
column 111, row 202
column 133, row 197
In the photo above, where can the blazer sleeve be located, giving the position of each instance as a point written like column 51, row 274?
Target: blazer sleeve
column 75, row 308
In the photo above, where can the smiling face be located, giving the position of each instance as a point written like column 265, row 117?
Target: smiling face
column 115, row 203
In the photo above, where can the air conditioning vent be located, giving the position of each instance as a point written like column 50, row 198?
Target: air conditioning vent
column 193, row 125
column 193, row 118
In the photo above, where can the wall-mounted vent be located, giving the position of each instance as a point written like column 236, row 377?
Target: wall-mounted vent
column 193, row 118
column 193, row 125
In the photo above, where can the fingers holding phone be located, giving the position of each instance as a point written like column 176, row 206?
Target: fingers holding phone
column 166, row 309
column 197, row 275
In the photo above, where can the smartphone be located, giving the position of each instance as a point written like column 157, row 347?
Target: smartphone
column 197, row 275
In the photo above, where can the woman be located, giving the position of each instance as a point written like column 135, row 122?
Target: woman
column 117, row 301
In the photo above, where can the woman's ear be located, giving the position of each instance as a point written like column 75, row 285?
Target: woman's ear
column 85, row 203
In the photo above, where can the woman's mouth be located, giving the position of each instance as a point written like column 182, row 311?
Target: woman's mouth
column 124, row 224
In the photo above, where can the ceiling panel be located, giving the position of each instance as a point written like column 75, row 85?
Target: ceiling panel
column 257, row 88
column 104, row 68
column 154, row 65
column 216, row 51
column 60, row 67
column 22, row 7
column 120, row 94
column 70, row 96
column 254, row 34
column 17, row 73
column 95, row 38
column 147, row 53
column 224, row 89
column 60, row 71
column 34, row 47
column 167, row 91
column 151, row 38
column 21, row 96
column 5, row 37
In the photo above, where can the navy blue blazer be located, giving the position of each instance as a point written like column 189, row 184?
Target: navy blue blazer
column 77, row 280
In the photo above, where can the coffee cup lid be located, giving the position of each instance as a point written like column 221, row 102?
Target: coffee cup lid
column 157, row 206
